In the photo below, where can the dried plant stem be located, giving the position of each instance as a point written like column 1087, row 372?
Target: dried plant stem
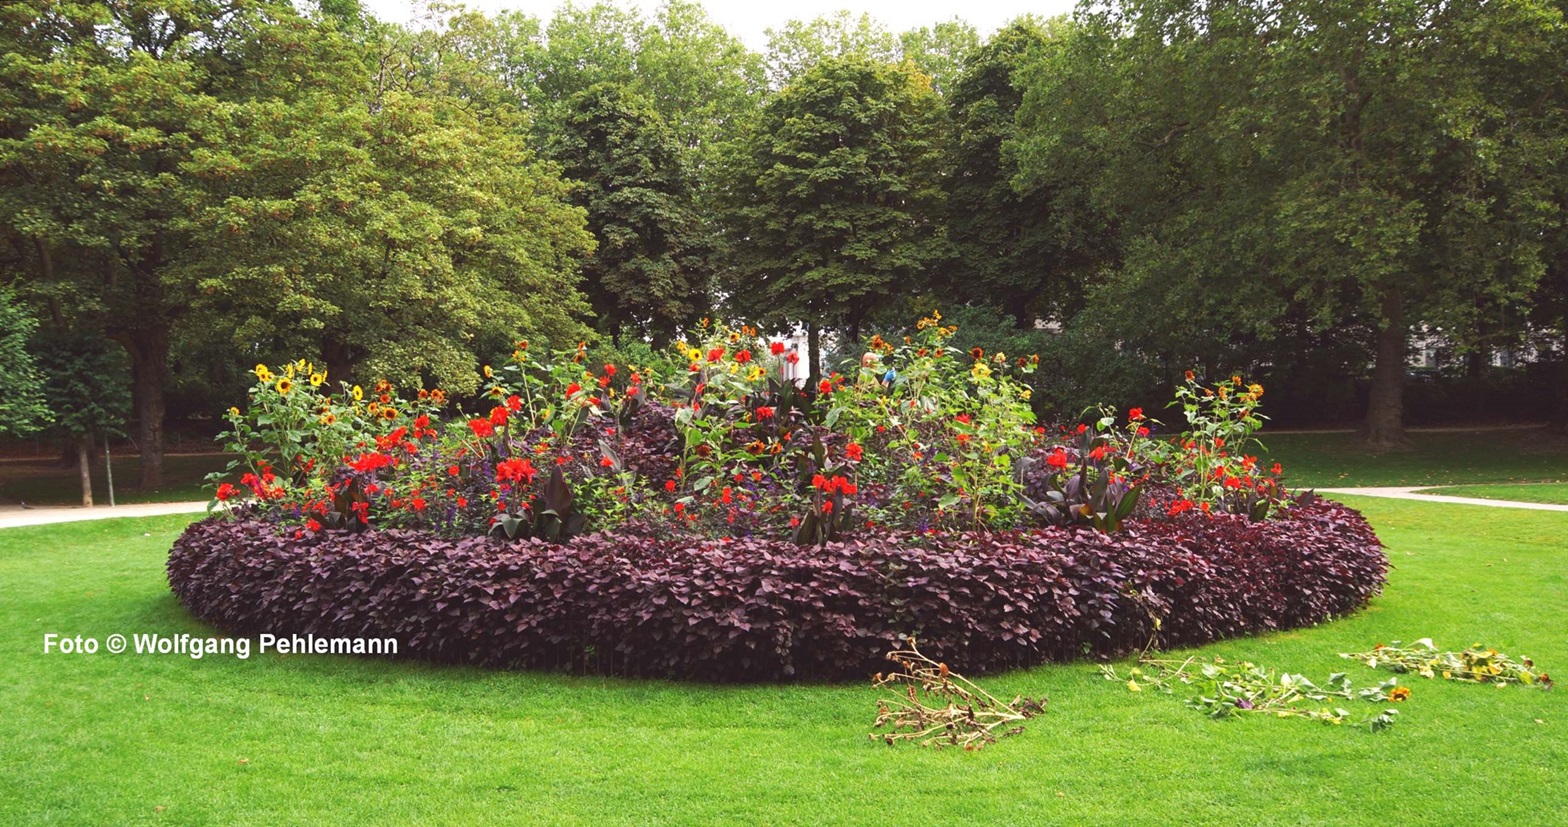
column 932, row 705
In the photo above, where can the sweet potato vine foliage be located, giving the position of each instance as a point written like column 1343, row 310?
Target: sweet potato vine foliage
column 641, row 602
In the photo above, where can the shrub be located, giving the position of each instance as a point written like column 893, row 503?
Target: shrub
column 644, row 602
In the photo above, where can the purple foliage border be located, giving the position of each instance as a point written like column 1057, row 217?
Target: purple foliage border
column 632, row 603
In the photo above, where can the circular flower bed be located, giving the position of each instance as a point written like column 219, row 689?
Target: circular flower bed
column 638, row 601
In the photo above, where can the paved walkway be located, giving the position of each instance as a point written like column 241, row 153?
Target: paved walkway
column 13, row 516
column 1409, row 493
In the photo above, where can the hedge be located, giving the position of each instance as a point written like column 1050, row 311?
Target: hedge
column 636, row 604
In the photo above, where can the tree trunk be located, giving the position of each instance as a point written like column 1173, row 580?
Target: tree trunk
column 84, row 469
column 1018, row 308
column 1384, row 428
column 339, row 358
column 1559, row 422
column 813, row 355
column 149, row 350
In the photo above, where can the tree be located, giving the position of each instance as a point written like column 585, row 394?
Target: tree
column 22, row 406
column 86, row 386
column 104, row 103
column 1328, row 164
column 1016, row 251
column 406, row 232
column 833, row 197
column 650, row 272
column 240, row 167
column 940, row 51
column 800, row 44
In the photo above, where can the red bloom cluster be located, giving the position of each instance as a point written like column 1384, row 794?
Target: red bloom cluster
column 520, row 470
column 834, row 485
column 369, row 462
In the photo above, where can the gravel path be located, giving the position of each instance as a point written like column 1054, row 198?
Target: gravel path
column 1408, row 493
column 13, row 516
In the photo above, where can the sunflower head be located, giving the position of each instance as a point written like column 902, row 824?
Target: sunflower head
column 285, row 385
column 358, row 393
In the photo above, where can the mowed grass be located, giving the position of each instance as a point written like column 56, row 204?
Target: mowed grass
column 43, row 482
column 274, row 740
column 1552, row 493
column 1504, row 455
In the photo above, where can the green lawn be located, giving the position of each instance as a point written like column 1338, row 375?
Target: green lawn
column 43, row 482
column 1552, row 492
column 1434, row 458
column 105, row 739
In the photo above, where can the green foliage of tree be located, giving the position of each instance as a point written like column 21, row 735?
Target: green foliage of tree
column 649, row 274
column 940, row 50
column 1018, row 252
column 22, row 402
column 86, row 383
column 1332, row 164
column 834, row 195
column 240, row 166
column 801, row 44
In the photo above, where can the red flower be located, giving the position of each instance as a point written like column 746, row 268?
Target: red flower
column 312, row 524
column 498, row 415
column 963, row 439
column 1189, row 376
column 418, row 503
column 853, row 451
column 1276, row 468
column 370, row 462
column 225, row 491
column 452, row 470
column 1135, row 414
column 964, row 418
column 606, row 462
column 462, row 502
column 361, row 510
column 743, row 356
column 1178, row 507
column 792, row 358
column 573, row 389
column 1057, row 459
column 764, row 412
column 825, row 387
column 727, row 496
column 1142, row 431
column 716, row 354
column 609, row 370
column 515, row 469
column 977, row 353
column 514, row 402
column 680, row 507
column 481, row 427
column 776, row 348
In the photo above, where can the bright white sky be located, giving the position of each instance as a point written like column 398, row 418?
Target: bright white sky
column 748, row 19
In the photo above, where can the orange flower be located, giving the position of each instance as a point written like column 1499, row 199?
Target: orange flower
column 1400, row 693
